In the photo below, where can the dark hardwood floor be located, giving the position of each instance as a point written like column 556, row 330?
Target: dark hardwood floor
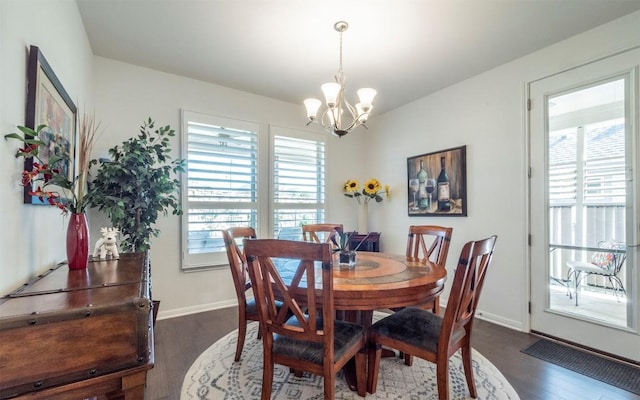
column 179, row 341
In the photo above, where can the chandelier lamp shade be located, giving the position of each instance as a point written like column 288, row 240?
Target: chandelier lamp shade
column 333, row 117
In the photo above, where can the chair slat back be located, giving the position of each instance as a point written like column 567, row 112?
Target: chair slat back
column 298, row 274
column 237, row 259
column 617, row 259
column 429, row 242
column 474, row 260
column 320, row 233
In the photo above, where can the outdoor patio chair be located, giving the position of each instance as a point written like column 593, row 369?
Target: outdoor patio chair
column 606, row 263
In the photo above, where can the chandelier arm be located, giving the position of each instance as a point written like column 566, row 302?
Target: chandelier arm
column 325, row 121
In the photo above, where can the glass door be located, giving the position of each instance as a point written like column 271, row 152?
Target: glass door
column 583, row 142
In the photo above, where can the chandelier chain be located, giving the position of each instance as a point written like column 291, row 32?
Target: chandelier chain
column 340, row 71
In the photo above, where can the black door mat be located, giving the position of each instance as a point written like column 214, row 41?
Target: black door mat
column 614, row 373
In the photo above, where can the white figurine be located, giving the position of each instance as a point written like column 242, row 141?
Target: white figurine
column 107, row 244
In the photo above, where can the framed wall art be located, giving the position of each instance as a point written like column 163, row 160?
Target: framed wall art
column 49, row 104
column 437, row 183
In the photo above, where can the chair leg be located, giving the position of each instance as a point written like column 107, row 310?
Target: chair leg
column 330, row 386
column 436, row 306
column 375, row 352
column 361, row 373
column 242, row 332
column 267, row 377
column 408, row 359
column 577, row 280
column 442, row 373
column 618, row 285
column 468, row 370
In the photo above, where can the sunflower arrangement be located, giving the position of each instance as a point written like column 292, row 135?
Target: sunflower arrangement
column 372, row 189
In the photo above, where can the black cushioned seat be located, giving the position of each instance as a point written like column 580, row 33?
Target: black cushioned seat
column 415, row 326
column 346, row 335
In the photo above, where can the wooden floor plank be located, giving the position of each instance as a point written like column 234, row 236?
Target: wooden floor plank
column 179, row 341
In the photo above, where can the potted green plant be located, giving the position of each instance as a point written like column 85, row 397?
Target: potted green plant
column 137, row 184
column 346, row 256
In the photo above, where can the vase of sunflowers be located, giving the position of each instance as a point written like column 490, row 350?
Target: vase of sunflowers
column 372, row 189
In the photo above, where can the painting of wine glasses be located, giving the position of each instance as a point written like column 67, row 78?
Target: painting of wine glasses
column 414, row 186
column 437, row 183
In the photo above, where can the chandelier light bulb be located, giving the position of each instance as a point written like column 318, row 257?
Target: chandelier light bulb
column 362, row 115
column 331, row 91
column 312, row 106
column 366, row 96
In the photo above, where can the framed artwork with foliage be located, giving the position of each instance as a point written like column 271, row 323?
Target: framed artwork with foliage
column 48, row 103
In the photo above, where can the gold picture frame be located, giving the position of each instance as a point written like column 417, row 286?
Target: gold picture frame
column 427, row 196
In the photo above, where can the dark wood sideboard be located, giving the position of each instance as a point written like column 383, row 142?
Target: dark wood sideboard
column 367, row 241
column 74, row 334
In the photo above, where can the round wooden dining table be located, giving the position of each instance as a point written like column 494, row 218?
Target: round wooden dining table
column 379, row 281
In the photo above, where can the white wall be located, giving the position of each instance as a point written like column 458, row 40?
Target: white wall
column 486, row 113
column 126, row 95
column 32, row 238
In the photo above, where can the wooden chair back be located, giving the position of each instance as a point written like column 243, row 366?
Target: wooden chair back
column 424, row 334
column 429, row 242
column 320, row 233
column 300, row 275
column 469, row 276
column 247, row 310
column 237, row 259
column 308, row 300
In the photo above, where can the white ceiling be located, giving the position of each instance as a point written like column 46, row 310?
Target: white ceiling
column 285, row 49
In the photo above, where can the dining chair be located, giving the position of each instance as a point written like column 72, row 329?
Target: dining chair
column 439, row 238
column 432, row 337
column 606, row 263
column 247, row 310
column 311, row 339
column 320, row 233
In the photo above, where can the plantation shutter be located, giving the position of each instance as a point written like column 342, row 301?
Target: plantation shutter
column 299, row 167
column 221, row 185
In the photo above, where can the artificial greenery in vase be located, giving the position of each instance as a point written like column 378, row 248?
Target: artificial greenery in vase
column 137, row 184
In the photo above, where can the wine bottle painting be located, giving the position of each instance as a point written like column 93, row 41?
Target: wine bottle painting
column 439, row 180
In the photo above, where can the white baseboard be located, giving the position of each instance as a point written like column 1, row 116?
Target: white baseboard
column 493, row 318
column 498, row 320
column 179, row 312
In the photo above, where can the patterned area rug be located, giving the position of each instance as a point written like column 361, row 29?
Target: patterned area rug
column 215, row 376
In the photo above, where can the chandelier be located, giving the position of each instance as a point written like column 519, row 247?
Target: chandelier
column 332, row 118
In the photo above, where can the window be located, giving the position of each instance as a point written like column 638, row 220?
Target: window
column 298, row 181
column 587, row 164
column 224, row 186
column 220, row 189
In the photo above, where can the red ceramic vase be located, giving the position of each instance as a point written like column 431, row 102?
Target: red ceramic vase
column 78, row 241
